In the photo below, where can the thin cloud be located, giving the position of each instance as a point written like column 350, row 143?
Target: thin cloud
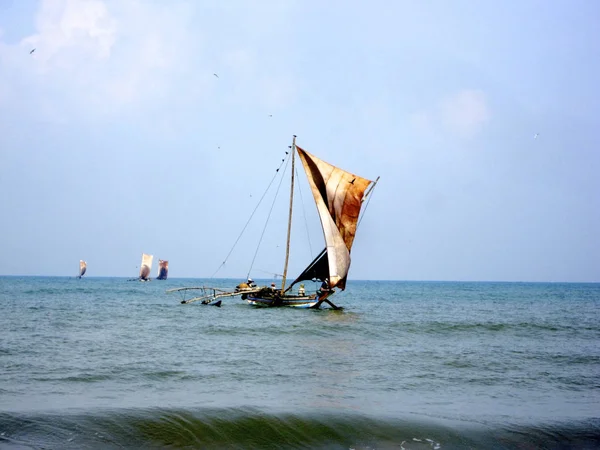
column 422, row 122
column 464, row 114
column 94, row 59
column 69, row 27
column 103, row 57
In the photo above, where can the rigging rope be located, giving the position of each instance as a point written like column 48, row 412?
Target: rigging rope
column 364, row 210
column 251, row 215
column 268, row 217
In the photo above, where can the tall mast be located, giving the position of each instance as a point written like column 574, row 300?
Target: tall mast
column 289, row 231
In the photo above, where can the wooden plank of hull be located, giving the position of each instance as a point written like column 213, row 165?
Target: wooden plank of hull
column 294, row 301
column 307, row 304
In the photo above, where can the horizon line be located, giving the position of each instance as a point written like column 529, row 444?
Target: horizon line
column 353, row 280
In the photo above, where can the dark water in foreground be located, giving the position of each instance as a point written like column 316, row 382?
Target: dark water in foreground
column 106, row 363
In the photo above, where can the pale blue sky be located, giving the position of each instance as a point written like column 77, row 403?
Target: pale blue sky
column 109, row 134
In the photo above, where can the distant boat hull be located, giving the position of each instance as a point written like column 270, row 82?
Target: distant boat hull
column 145, row 273
column 162, row 275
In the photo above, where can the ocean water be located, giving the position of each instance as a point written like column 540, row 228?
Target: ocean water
column 107, row 363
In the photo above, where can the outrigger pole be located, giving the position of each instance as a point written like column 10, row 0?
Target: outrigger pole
column 210, row 294
column 289, row 231
column 370, row 189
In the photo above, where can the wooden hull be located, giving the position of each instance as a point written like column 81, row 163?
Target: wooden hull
column 293, row 301
column 300, row 302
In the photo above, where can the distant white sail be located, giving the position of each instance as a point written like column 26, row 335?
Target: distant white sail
column 82, row 268
column 146, row 266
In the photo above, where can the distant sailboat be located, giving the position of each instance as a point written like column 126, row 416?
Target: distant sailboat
column 146, row 267
column 163, row 269
column 82, row 268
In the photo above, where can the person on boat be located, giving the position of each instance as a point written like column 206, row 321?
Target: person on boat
column 273, row 287
column 245, row 286
column 251, row 283
column 301, row 290
column 324, row 289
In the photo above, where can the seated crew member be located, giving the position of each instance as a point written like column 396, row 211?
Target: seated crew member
column 324, row 289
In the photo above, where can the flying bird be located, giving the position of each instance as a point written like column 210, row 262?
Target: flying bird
column 353, row 180
column 536, row 135
column 270, row 115
column 216, row 75
column 33, row 50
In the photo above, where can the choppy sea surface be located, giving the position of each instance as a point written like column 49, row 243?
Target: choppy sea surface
column 103, row 363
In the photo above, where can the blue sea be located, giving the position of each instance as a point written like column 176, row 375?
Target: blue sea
column 106, row 363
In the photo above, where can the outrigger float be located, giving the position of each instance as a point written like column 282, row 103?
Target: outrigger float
column 339, row 196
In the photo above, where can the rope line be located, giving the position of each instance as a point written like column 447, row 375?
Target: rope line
column 248, row 222
column 267, row 221
column 364, row 211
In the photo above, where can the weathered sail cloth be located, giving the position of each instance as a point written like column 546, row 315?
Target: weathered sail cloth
column 338, row 195
column 163, row 269
column 146, row 266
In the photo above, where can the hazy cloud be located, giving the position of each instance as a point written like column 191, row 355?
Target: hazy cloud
column 103, row 57
column 463, row 114
column 421, row 122
column 71, row 27
column 95, row 57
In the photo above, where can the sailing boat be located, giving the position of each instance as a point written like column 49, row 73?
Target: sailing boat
column 163, row 269
column 146, row 267
column 339, row 196
column 82, row 268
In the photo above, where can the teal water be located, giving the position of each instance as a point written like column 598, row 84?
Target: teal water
column 107, row 363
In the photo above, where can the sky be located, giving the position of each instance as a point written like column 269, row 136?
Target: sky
column 116, row 137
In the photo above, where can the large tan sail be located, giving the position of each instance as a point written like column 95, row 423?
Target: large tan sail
column 338, row 195
column 163, row 269
column 146, row 266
